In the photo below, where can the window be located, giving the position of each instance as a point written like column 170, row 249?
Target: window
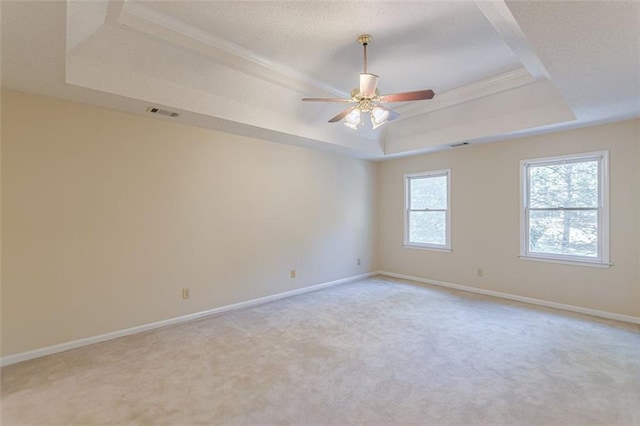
column 427, row 212
column 564, row 209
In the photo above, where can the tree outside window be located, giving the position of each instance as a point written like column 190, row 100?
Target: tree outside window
column 427, row 210
column 564, row 208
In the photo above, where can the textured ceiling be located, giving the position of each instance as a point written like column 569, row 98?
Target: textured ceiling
column 413, row 45
column 498, row 69
column 593, row 58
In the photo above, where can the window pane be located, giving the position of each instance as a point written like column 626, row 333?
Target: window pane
column 429, row 193
column 564, row 185
column 428, row 227
column 564, row 232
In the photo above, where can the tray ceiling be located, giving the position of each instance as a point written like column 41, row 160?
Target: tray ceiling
column 498, row 69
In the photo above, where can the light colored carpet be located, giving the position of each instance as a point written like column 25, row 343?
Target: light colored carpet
column 378, row 351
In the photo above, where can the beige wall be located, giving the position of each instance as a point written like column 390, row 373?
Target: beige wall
column 107, row 216
column 485, row 221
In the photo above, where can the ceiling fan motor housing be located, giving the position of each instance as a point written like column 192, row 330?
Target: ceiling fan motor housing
column 367, row 97
column 364, row 39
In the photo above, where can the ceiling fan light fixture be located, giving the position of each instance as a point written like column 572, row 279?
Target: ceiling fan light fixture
column 367, row 98
column 379, row 117
column 352, row 119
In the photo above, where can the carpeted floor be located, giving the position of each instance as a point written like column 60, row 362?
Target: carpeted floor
column 378, row 351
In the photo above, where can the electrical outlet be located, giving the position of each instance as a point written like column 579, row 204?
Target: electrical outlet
column 293, row 273
column 480, row 272
column 186, row 293
column 359, row 262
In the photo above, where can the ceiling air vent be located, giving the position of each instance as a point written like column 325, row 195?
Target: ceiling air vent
column 159, row 111
column 455, row 145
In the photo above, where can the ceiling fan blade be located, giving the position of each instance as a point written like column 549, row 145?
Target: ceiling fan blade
column 342, row 115
column 418, row 95
column 368, row 84
column 326, row 100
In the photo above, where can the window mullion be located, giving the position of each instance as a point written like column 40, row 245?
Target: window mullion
column 555, row 209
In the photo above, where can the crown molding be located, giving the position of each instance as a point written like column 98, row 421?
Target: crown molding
column 150, row 22
column 487, row 87
column 143, row 19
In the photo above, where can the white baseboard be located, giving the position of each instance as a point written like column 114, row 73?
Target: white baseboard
column 572, row 308
column 49, row 350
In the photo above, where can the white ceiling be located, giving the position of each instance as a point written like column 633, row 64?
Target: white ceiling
column 498, row 69
column 410, row 50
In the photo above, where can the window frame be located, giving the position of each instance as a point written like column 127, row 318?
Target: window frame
column 407, row 203
column 602, row 260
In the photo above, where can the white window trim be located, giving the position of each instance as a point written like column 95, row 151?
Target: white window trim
column 421, row 246
column 603, row 218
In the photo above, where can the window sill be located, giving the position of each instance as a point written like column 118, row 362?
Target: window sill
column 567, row 262
column 441, row 249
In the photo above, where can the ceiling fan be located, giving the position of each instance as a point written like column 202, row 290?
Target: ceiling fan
column 367, row 98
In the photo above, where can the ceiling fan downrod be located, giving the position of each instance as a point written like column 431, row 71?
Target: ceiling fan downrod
column 364, row 40
column 367, row 99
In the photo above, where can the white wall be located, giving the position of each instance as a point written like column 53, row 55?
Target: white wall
column 485, row 221
column 107, row 216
